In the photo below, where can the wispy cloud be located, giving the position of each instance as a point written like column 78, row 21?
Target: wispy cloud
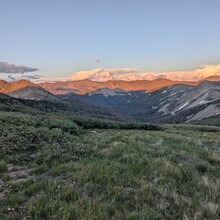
column 31, row 77
column 12, row 68
column 14, row 77
column 11, row 78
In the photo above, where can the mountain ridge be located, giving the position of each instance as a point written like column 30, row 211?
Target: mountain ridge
column 25, row 89
column 7, row 87
column 86, row 86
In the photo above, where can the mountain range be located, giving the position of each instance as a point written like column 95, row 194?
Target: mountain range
column 128, row 74
column 86, row 86
column 158, row 100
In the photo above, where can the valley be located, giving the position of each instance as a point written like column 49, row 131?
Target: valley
column 156, row 101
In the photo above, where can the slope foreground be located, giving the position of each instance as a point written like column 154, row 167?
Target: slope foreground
column 52, row 168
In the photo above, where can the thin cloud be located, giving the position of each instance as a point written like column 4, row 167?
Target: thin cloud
column 15, row 77
column 11, row 78
column 29, row 77
column 13, row 69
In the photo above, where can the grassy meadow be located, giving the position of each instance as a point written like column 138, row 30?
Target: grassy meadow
column 53, row 167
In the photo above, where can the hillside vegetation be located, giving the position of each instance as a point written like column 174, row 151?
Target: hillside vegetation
column 59, row 166
column 61, row 107
column 215, row 120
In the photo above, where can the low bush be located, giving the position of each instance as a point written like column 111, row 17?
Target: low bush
column 86, row 122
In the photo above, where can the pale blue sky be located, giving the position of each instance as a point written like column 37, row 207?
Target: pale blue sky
column 63, row 36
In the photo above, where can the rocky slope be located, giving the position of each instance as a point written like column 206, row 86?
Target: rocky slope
column 33, row 93
column 7, row 87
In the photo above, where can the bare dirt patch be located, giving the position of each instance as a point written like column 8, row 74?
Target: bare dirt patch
column 17, row 173
column 105, row 151
column 158, row 143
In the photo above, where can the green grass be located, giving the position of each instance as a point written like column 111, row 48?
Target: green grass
column 173, row 173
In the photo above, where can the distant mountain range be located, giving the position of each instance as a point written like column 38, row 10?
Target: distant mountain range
column 87, row 86
column 159, row 100
column 128, row 74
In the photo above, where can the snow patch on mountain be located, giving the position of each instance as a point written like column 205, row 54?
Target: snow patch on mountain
column 127, row 74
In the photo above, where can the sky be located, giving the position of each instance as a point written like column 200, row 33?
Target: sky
column 56, row 38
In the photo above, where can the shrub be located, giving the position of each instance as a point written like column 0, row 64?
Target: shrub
column 106, row 124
